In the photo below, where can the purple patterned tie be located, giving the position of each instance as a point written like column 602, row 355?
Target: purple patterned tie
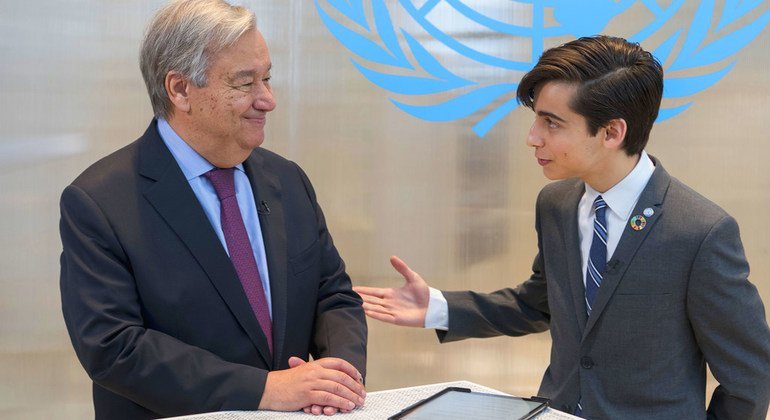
column 239, row 247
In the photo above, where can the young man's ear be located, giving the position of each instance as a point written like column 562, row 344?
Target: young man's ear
column 616, row 133
column 177, row 89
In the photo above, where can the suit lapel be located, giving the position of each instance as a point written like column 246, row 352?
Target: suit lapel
column 173, row 198
column 652, row 197
column 267, row 195
column 572, row 243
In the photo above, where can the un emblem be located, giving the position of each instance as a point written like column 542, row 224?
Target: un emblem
column 445, row 60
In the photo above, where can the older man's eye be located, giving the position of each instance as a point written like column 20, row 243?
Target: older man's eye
column 245, row 87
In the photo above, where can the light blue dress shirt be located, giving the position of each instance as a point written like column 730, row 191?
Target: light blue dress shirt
column 193, row 167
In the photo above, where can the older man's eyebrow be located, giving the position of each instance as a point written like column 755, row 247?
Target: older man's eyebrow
column 250, row 72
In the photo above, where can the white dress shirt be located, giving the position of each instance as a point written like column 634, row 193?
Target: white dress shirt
column 621, row 200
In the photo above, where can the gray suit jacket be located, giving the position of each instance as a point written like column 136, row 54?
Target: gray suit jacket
column 675, row 298
column 154, row 307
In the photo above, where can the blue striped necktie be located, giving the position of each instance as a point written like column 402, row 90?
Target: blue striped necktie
column 597, row 262
column 597, row 257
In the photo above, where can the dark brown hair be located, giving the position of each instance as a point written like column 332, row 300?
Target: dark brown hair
column 615, row 79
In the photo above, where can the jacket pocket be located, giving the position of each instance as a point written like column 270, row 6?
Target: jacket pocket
column 305, row 259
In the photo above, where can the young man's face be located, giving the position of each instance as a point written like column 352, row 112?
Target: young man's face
column 563, row 145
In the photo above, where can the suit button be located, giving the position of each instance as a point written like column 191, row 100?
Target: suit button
column 586, row 362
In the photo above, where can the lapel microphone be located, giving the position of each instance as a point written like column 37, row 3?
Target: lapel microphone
column 263, row 208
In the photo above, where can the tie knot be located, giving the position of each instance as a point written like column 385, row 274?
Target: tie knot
column 223, row 181
column 599, row 204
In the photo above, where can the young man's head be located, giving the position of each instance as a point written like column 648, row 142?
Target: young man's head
column 595, row 101
column 614, row 79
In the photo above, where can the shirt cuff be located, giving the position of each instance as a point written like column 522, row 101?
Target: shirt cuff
column 437, row 316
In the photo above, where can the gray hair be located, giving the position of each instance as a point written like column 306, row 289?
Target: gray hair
column 184, row 36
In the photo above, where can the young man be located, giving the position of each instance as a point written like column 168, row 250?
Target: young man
column 197, row 272
column 641, row 280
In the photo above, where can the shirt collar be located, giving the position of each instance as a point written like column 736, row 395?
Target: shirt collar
column 622, row 197
column 191, row 162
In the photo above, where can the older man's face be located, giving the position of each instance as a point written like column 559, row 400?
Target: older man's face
column 229, row 113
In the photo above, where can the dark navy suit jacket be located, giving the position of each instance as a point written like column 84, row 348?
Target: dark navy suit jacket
column 154, row 307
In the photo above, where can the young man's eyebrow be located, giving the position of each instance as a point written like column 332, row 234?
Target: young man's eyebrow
column 550, row 115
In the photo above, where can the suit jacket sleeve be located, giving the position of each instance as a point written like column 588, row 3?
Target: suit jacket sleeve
column 510, row 311
column 104, row 316
column 729, row 322
column 340, row 327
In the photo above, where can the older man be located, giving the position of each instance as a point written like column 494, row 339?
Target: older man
column 197, row 272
